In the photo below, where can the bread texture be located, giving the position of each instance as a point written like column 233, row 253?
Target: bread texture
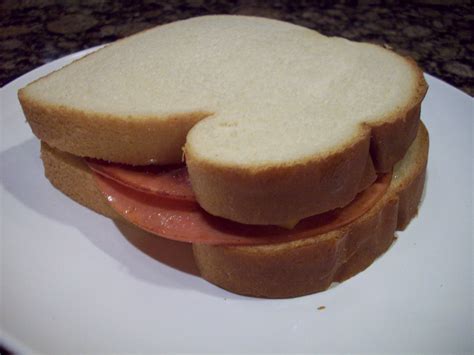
column 264, row 109
column 285, row 269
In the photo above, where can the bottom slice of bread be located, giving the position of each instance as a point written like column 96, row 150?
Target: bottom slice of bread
column 288, row 269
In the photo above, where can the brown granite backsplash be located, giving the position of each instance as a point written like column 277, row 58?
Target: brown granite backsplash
column 437, row 34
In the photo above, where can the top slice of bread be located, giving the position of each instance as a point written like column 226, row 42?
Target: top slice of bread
column 268, row 105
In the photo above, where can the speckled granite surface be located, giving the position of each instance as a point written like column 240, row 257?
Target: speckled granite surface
column 437, row 35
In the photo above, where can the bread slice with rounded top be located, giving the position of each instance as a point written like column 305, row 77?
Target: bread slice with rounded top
column 265, row 110
column 287, row 269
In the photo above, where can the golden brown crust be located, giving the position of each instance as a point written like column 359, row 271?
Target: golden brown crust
column 301, row 267
column 285, row 269
column 410, row 200
column 389, row 141
column 138, row 141
column 72, row 176
column 311, row 265
column 391, row 138
column 296, row 191
column 305, row 188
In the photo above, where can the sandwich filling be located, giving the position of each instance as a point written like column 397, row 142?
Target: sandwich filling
column 161, row 201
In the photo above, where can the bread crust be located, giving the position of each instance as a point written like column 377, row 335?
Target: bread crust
column 311, row 265
column 71, row 175
column 286, row 269
column 143, row 141
column 305, row 188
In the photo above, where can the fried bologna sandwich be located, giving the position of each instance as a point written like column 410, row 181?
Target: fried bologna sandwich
column 287, row 158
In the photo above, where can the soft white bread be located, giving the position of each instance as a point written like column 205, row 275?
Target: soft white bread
column 285, row 269
column 284, row 114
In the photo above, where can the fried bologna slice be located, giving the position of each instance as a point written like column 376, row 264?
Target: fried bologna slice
column 287, row 269
column 266, row 110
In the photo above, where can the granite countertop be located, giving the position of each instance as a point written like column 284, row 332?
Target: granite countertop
column 438, row 36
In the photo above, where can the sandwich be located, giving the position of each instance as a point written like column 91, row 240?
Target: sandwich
column 287, row 158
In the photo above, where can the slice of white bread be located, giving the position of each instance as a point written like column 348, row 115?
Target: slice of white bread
column 275, row 112
column 285, row 269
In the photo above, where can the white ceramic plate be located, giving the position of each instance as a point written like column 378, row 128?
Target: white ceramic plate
column 73, row 282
